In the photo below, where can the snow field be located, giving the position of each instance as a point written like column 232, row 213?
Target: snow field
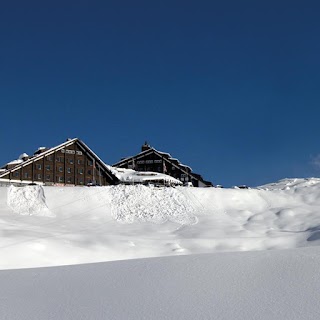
column 264, row 285
column 46, row 226
column 51, row 226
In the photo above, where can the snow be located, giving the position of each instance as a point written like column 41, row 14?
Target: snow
column 217, row 253
column 17, row 161
column 132, row 176
column 23, row 155
column 264, row 285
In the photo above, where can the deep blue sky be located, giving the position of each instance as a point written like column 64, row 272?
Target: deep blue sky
column 230, row 88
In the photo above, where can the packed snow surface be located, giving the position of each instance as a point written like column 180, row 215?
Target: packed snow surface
column 59, row 226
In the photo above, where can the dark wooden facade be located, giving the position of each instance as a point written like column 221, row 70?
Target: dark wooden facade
column 71, row 163
column 150, row 159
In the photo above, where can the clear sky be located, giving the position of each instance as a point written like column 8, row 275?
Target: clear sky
column 230, row 88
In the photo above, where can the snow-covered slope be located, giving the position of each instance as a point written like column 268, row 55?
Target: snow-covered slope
column 69, row 225
column 264, row 285
column 50, row 226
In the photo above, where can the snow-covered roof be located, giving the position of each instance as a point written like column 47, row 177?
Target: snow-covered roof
column 23, row 155
column 17, row 161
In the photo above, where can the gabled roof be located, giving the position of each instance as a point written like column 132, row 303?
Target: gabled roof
column 57, row 148
column 165, row 156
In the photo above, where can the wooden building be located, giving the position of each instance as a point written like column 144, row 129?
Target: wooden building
column 70, row 163
column 150, row 159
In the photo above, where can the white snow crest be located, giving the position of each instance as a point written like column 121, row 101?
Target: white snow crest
column 28, row 200
column 151, row 204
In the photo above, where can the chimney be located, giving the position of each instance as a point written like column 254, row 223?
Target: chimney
column 145, row 147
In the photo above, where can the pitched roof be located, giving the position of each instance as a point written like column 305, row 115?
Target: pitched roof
column 166, row 156
column 150, row 150
column 57, row 148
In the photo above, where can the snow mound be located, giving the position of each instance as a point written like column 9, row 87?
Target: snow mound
column 151, row 204
column 28, row 200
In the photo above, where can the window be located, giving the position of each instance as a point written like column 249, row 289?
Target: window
column 49, row 158
column 69, row 170
column 90, row 163
column 39, row 166
column 60, row 179
column 39, row 176
column 79, row 153
column 79, row 161
column 60, row 169
column 70, row 161
column 89, row 172
column 16, row 173
column 59, row 159
column 48, row 177
column 80, row 171
column 69, row 179
column 48, row 167
column 26, row 175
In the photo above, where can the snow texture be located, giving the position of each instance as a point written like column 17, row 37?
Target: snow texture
column 53, row 226
column 28, row 200
column 150, row 204
column 264, row 285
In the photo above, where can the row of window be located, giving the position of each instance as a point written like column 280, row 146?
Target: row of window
column 48, row 167
column 149, row 161
column 48, row 177
column 70, row 160
column 60, row 169
column 71, row 151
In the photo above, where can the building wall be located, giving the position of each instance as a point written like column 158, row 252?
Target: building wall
column 71, row 166
column 154, row 162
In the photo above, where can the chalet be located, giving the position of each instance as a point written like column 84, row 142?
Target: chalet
column 150, row 159
column 70, row 163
